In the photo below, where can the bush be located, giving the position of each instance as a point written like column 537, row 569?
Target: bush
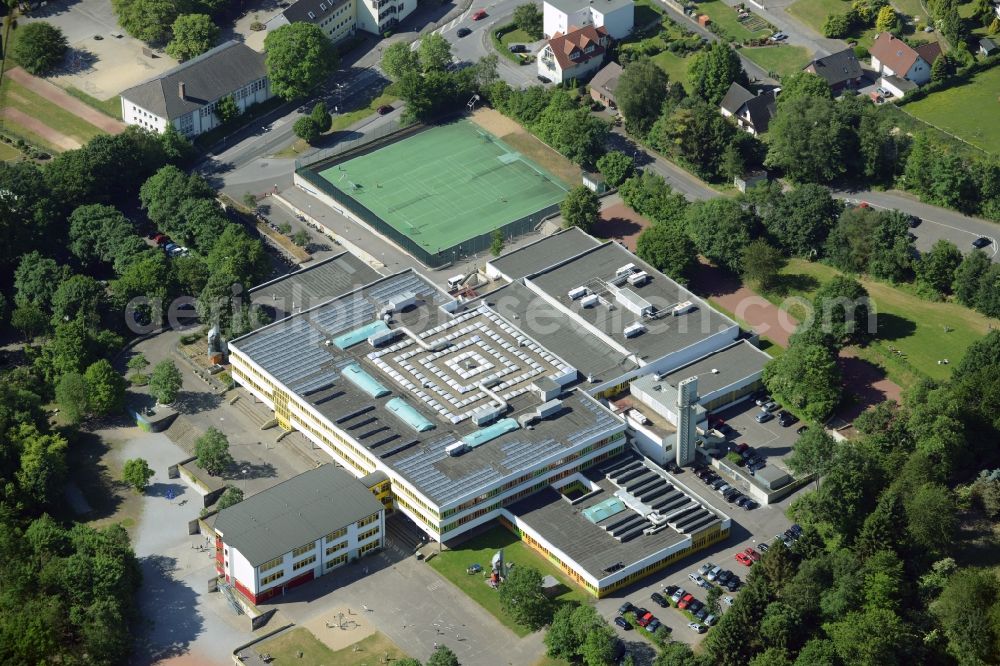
column 306, row 129
column 40, row 47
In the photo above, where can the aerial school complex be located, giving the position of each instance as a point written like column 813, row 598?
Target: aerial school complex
column 439, row 192
column 509, row 406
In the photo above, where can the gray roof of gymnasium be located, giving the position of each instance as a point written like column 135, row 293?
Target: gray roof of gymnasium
column 295, row 512
column 663, row 336
column 585, row 352
column 544, row 253
column 214, row 74
column 604, row 6
column 316, row 283
column 734, row 363
column 586, row 543
column 294, row 352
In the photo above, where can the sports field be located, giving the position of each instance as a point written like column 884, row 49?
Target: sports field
column 447, row 184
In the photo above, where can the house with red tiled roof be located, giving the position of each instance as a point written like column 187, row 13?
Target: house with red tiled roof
column 575, row 55
column 892, row 57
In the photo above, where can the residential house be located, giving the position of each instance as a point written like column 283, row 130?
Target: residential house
column 187, row 95
column 336, row 18
column 987, row 47
column 604, row 83
column 752, row 113
column 576, row 55
column 564, row 16
column 894, row 57
column 298, row 530
column 840, row 70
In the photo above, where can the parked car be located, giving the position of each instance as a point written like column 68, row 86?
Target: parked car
column 733, row 584
column 701, row 614
column 981, row 242
column 463, row 32
column 796, row 530
column 695, row 606
column 914, row 221
column 473, row 569
column 653, row 625
column 764, row 417
column 725, row 575
column 479, row 15
column 517, row 48
column 670, row 589
column 718, row 483
column 801, row 429
column 646, row 618
column 384, row 109
column 694, row 578
column 752, row 554
column 638, row 416
column 625, row 608
column 741, row 501
column 161, row 239
column 658, row 599
column 786, row 419
column 674, row 468
column 685, row 601
column 170, row 247
column 694, row 626
column 770, row 406
column 744, row 559
column 762, row 400
column 727, row 430
column 677, row 595
column 713, row 575
column 623, row 623
column 750, row 505
column 763, row 547
column 543, row 79
column 711, row 620
column 728, row 601
column 741, row 447
column 779, row 36
column 723, row 488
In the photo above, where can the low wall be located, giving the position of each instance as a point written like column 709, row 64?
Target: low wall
column 206, row 485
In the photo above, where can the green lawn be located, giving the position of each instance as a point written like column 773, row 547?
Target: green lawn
column 674, row 65
column 14, row 95
column 345, row 120
column 915, row 326
column 285, row 647
column 112, row 106
column 969, row 111
column 8, row 152
column 914, row 9
column 517, row 36
column 646, row 12
column 783, row 60
column 479, row 550
column 725, row 17
column 814, row 12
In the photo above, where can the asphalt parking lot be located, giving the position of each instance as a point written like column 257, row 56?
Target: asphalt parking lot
column 770, row 439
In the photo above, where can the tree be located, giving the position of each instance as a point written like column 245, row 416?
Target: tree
column 164, row 193
column 641, row 92
column 872, row 637
column 99, row 233
column 721, row 228
column 931, row 520
column 712, row 601
column 71, row 394
column 36, row 280
column 230, row 496
column 238, row 255
column 442, row 656
column 561, row 640
column 193, row 35
column 669, row 249
column 147, row 20
column 941, row 69
column 165, row 382
column 398, row 60
column 78, row 297
column 599, row 646
column 806, row 140
column 40, row 47
column 106, row 388
column 435, row 53
column 968, row 276
column 212, row 451
column 42, row 463
column 136, row 472
column 528, row 18
column 321, row 116
column 137, row 363
column 697, row 134
column 937, row 267
column 581, row 208
column 200, row 223
column 306, row 129
column 496, row 243
column 814, row 453
column 807, row 378
column 616, row 166
column 801, row 219
column 838, row 26
column 802, row 84
column 842, row 309
column 967, row 611
column 761, row 263
column 712, row 71
column 301, row 238
column 299, row 57
column 226, row 110
column 649, row 195
column 521, row 597
column 887, row 20
column 29, row 320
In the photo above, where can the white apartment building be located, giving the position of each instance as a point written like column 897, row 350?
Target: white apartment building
column 562, row 16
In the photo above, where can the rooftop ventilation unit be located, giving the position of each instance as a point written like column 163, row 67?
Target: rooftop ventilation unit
column 456, row 449
column 634, row 330
column 401, row 302
column 633, row 302
column 382, row 337
column 682, row 308
column 487, row 414
column 577, row 293
column 638, row 279
column 549, row 408
column 627, row 269
column 589, row 301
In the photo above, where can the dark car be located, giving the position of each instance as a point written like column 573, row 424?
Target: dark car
column 733, row 584
column 543, row 79
column 801, row 429
column 750, row 505
column 695, row 606
column 463, row 32
column 658, row 599
column 981, row 242
column 786, row 418
column 623, row 623
column 796, row 530
column 674, row 468
column 384, row 109
column 669, row 590
column 653, row 625
column 625, row 607
column 914, row 221
column 517, row 48
column 727, row 430
column 724, row 576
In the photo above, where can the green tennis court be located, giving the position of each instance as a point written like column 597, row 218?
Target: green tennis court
column 446, row 185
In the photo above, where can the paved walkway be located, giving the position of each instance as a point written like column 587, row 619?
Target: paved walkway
column 65, row 101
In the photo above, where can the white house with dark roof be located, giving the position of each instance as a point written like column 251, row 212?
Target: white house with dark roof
column 187, row 95
column 750, row 112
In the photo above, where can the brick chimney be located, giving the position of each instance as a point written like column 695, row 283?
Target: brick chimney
column 181, row 91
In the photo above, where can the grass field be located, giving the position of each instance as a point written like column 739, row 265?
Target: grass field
column 285, row 647
column 726, row 18
column 112, row 106
column 479, row 550
column 968, row 111
column 907, row 322
column 674, row 65
column 814, row 12
column 14, row 95
column 783, row 60
column 446, row 184
column 8, row 152
column 517, row 36
column 345, row 120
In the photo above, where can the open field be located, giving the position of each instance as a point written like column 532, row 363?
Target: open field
column 968, row 111
column 285, row 647
column 517, row 36
column 479, row 550
column 8, row 152
column 674, row 65
column 345, row 120
column 111, row 106
column 15, row 96
column 783, row 60
column 725, row 17
column 814, row 12
column 924, row 331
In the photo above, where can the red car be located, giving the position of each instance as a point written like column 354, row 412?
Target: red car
column 741, row 447
column 644, row 620
column 478, row 16
column 161, row 240
column 752, row 554
column 685, row 601
column 744, row 559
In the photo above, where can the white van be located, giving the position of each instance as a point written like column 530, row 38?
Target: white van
column 455, row 281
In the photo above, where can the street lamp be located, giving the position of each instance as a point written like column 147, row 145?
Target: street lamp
column 246, row 470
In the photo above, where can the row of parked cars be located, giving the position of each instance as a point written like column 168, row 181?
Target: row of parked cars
column 749, row 555
column 729, row 493
column 171, row 248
